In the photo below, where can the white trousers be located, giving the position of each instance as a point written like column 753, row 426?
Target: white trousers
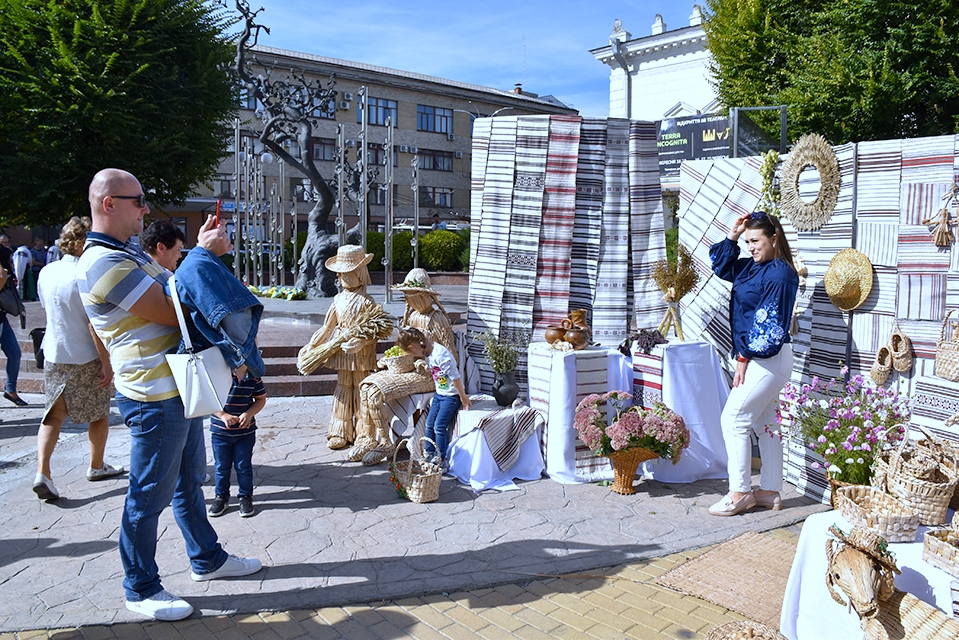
column 750, row 407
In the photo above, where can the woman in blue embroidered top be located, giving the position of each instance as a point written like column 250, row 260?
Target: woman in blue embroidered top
column 760, row 310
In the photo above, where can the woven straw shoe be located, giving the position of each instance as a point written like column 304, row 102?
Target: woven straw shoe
column 882, row 367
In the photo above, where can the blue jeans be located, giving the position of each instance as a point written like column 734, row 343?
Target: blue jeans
column 167, row 463
column 11, row 349
column 231, row 452
column 442, row 413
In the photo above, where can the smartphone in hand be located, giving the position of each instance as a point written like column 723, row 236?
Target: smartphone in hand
column 216, row 216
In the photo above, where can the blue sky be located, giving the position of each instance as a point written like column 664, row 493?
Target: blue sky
column 496, row 43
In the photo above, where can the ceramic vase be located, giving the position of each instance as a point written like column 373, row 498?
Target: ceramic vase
column 505, row 389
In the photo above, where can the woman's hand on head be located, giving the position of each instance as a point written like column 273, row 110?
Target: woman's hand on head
column 739, row 228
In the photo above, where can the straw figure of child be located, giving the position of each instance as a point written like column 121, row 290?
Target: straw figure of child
column 355, row 357
column 373, row 442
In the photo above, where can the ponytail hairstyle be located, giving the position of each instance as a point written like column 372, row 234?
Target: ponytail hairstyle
column 409, row 336
column 772, row 228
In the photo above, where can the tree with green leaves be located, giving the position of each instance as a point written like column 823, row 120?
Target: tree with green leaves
column 143, row 85
column 850, row 70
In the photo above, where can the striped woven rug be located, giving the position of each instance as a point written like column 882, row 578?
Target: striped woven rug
column 610, row 306
column 551, row 303
column 590, row 182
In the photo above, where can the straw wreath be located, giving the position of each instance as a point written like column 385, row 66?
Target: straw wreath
column 811, row 150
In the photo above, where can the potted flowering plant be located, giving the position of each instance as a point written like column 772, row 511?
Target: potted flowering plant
column 847, row 423
column 634, row 435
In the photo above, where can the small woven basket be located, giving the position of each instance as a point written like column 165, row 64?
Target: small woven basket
column 744, row 630
column 834, row 487
column 878, row 512
column 419, row 479
column 929, row 496
column 947, row 452
column 939, row 548
column 399, row 364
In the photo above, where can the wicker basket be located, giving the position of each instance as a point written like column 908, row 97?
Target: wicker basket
column 878, row 512
column 939, row 552
column 930, row 496
column 834, row 487
column 399, row 364
column 744, row 630
column 419, row 479
column 625, row 464
column 947, row 452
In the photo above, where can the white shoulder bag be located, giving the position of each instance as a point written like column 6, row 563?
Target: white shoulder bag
column 203, row 379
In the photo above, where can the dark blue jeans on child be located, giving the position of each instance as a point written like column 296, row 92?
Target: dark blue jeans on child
column 231, row 452
column 438, row 422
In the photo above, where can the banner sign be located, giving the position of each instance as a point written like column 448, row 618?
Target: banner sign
column 691, row 138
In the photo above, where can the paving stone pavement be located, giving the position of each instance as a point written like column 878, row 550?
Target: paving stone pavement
column 333, row 534
column 345, row 557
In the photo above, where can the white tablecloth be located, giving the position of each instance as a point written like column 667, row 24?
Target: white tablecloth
column 810, row 613
column 471, row 461
column 687, row 378
column 558, row 380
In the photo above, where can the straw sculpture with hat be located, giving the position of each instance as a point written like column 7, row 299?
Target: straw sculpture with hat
column 373, row 443
column 848, row 280
column 862, row 567
column 347, row 340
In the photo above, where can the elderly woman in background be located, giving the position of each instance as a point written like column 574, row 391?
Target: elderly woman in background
column 76, row 367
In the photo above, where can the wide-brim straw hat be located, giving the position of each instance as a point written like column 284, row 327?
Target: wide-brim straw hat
column 869, row 542
column 349, row 257
column 417, row 281
column 848, row 280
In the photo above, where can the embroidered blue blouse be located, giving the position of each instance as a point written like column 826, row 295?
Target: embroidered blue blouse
column 762, row 301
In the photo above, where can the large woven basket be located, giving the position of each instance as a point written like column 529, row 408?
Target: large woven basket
column 928, row 496
column 947, row 452
column 419, row 479
column 744, row 630
column 939, row 551
column 878, row 512
column 834, row 487
column 625, row 463
column 399, row 364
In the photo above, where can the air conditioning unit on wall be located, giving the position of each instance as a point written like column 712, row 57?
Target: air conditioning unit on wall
column 450, row 137
column 344, row 104
column 414, row 149
column 459, row 154
column 404, row 148
column 347, row 95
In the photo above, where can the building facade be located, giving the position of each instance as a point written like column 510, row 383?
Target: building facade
column 432, row 119
column 662, row 75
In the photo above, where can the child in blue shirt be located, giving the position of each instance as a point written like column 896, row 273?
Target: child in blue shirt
column 450, row 393
column 232, row 434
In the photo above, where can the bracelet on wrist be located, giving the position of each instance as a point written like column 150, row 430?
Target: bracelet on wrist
column 742, row 359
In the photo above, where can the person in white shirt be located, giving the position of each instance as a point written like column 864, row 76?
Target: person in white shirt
column 76, row 367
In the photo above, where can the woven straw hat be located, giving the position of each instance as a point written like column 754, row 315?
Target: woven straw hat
column 848, row 280
column 349, row 257
column 869, row 542
column 417, row 281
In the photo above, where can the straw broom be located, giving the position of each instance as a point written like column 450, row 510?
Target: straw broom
column 373, row 323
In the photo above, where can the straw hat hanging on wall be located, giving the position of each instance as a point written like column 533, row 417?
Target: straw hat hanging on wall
column 848, row 280
column 812, row 150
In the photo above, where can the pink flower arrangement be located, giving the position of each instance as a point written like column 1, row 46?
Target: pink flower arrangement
column 847, row 423
column 658, row 429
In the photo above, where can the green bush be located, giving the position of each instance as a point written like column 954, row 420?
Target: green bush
column 672, row 245
column 464, row 235
column 288, row 249
column 375, row 244
column 403, row 251
column 440, row 250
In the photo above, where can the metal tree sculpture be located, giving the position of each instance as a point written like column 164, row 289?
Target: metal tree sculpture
column 287, row 111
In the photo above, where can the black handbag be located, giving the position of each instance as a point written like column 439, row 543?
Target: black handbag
column 10, row 302
column 37, row 336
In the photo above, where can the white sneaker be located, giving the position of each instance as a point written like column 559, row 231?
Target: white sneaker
column 232, row 568
column 161, row 606
column 44, row 488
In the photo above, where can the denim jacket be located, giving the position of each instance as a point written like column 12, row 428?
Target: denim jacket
column 223, row 311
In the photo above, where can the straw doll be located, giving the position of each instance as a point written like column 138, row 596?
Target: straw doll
column 355, row 357
column 373, row 443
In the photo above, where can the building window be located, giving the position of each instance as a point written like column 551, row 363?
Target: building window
column 379, row 110
column 247, row 101
column 436, row 160
column 434, row 119
column 226, row 186
column 377, row 156
column 329, row 113
column 436, row 197
column 324, row 149
column 377, row 194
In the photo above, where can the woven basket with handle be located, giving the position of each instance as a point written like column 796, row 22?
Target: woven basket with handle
column 947, row 351
column 419, row 479
column 939, row 548
column 930, row 495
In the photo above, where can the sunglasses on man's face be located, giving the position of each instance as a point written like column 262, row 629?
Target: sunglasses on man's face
column 139, row 200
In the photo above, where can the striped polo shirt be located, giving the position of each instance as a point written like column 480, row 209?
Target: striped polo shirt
column 113, row 276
